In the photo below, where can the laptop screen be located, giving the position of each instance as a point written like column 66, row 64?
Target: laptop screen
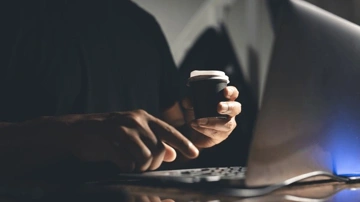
column 310, row 114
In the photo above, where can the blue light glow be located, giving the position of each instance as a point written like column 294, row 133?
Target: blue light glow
column 344, row 146
column 346, row 195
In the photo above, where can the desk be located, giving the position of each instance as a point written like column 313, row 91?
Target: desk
column 332, row 192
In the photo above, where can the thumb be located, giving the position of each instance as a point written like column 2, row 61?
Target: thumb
column 170, row 153
column 186, row 103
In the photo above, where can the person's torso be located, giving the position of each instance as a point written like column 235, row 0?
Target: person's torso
column 78, row 58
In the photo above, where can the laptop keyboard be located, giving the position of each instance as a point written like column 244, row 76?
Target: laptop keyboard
column 222, row 171
column 237, row 172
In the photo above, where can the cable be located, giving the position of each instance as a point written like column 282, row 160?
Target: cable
column 254, row 192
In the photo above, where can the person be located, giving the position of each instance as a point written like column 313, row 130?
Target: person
column 95, row 80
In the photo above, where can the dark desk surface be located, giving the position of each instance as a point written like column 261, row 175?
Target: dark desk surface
column 133, row 193
column 321, row 192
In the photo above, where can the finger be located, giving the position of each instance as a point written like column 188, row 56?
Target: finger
column 170, row 153
column 186, row 103
column 174, row 138
column 168, row 200
column 156, row 147
column 142, row 198
column 131, row 198
column 154, row 198
column 231, row 108
column 231, row 93
column 137, row 148
column 119, row 156
column 224, row 125
column 158, row 158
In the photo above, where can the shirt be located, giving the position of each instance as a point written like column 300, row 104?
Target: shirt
column 82, row 56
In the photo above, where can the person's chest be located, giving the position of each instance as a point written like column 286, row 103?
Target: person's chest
column 122, row 66
column 93, row 68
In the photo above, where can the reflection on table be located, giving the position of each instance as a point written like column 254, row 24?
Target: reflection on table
column 326, row 192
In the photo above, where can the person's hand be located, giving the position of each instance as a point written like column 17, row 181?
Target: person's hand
column 134, row 141
column 147, row 198
column 212, row 131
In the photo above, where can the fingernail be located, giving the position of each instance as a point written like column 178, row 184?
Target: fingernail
column 230, row 92
column 224, row 107
column 194, row 149
column 203, row 121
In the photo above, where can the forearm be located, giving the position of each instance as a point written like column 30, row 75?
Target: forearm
column 31, row 144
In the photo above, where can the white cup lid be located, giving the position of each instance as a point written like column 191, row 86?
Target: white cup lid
column 211, row 74
column 207, row 73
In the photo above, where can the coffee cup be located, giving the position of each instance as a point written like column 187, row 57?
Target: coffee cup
column 206, row 88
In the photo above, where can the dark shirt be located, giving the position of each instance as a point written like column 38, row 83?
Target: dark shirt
column 82, row 56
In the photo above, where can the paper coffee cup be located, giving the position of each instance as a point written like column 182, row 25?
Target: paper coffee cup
column 206, row 89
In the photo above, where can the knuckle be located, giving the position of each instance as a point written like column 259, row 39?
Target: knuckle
column 141, row 112
column 225, row 107
column 231, row 106
column 214, row 132
column 131, row 116
column 234, row 107
column 126, row 134
column 139, row 117
column 135, row 119
column 219, row 107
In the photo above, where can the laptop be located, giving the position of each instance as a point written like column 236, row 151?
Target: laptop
column 310, row 114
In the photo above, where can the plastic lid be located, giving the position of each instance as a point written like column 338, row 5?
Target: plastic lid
column 209, row 74
column 206, row 73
